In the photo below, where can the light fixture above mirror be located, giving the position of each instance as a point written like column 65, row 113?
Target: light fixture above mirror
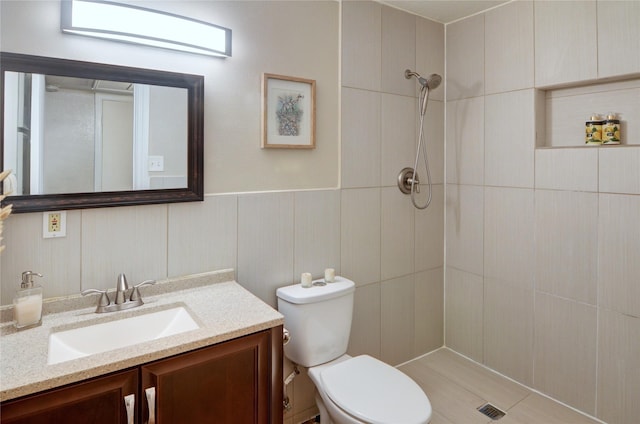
column 132, row 24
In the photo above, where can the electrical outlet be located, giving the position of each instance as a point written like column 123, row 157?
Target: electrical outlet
column 54, row 224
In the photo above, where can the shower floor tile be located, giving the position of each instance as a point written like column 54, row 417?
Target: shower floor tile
column 457, row 386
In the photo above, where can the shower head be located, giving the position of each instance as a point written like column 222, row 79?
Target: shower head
column 431, row 83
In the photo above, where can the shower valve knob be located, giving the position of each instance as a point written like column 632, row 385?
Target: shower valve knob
column 405, row 178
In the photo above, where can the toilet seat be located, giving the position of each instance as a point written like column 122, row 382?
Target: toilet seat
column 375, row 392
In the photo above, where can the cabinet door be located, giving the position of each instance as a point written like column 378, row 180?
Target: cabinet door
column 96, row 401
column 226, row 383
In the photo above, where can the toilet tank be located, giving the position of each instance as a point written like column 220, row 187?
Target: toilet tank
column 318, row 319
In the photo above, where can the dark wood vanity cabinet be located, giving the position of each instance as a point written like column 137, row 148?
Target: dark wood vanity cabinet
column 227, row 383
column 238, row 381
column 96, row 401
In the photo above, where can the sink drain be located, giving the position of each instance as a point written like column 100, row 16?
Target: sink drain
column 491, row 411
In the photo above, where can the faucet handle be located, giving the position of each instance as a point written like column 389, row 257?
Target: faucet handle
column 104, row 298
column 135, row 294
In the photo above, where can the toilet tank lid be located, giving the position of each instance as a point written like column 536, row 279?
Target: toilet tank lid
column 316, row 293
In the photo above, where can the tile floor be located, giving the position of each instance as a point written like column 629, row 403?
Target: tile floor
column 457, row 386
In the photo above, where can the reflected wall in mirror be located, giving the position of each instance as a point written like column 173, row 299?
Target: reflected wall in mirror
column 80, row 135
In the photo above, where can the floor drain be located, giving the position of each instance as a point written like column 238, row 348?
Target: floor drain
column 491, row 411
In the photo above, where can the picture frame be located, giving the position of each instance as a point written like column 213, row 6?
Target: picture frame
column 288, row 112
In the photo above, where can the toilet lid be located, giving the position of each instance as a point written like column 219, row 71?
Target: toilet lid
column 375, row 392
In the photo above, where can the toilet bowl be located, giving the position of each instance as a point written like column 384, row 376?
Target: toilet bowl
column 364, row 390
column 350, row 390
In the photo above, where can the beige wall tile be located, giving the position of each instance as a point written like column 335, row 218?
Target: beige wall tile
column 303, row 393
column 566, row 244
column 361, row 44
column 618, row 247
column 429, row 311
column 509, row 247
column 316, row 232
column 57, row 259
column 618, row 367
column 398, row 129
column 111, row 237
column 434, row 140
column 265, row 243
column 565, row 41
column 465, row 141
column 465, row 58
column 361, row 145
column 360, row 235
column 567, row 169
column 429, row 231
column 618, row 37
column 398, row 51
column 464, row 313
column 509, row 47
column 508, row 329
column 565, row 351
column 397, row 320
column 509, row 138
column 619, row 171
column 365, row 328
column 464, row 228
column 398, row 232
column 203, row 236
column 430, row 52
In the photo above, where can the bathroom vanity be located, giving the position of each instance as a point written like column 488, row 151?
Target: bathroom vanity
column 227, row 371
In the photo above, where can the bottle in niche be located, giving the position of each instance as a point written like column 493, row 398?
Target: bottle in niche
column 611, row 130
column 593, row 128
column 27, row 305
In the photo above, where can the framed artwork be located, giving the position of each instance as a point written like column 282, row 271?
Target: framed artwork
column 288, row 112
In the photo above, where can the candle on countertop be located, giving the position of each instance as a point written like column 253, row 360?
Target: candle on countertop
column 329, row 275
column 305, row 280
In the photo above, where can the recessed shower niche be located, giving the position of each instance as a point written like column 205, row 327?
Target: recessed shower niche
column 561, row 112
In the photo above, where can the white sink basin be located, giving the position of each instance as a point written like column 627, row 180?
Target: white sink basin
column 111, row 335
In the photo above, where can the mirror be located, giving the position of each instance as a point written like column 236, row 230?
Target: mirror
column 84, row 135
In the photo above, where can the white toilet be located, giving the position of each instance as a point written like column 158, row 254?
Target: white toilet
column 349, row 390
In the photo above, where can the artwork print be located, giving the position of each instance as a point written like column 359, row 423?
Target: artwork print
column 288, row 112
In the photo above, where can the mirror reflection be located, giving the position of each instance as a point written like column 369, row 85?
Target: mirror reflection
column 83, row 135
column 76, row 135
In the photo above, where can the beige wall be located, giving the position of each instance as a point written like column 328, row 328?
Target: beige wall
column 541, row 277
column 290, row 38
column 367, row 231
column 542, row 243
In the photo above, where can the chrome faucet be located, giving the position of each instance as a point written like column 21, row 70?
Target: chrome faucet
column 121, row 302
column 121, row 289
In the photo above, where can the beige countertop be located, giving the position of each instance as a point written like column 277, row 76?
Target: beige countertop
column 223, row 309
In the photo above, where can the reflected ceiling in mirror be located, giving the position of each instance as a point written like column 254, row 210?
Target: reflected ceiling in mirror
column 82, row 135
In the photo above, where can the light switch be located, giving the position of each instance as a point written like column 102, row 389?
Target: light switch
column 156, row 163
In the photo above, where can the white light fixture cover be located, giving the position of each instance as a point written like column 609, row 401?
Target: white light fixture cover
column 132, row 24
